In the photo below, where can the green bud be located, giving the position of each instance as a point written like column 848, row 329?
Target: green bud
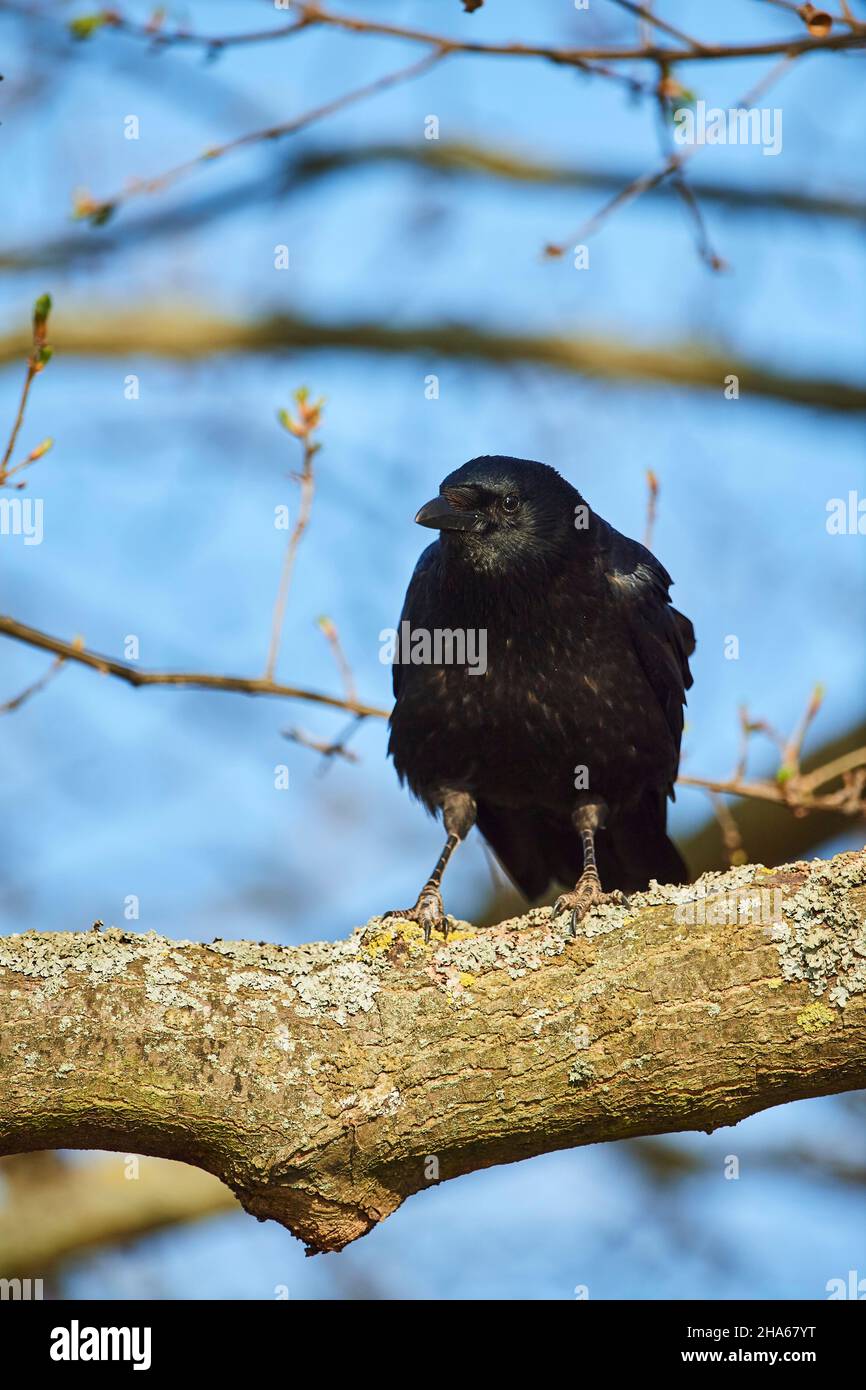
column 41, row 310
column 86, row 25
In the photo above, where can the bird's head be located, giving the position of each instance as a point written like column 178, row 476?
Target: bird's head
column 503, row 515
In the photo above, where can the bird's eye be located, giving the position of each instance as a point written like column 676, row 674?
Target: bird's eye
column 511, row 503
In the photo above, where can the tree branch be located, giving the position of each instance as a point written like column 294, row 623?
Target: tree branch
column 188, row 333
column 99, row 211
column 201, row 680
column 799, row 796
column 326, row 1083
column 447, row 159
column 309, row 15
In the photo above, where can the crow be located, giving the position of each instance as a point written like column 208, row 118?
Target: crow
column 568, row 720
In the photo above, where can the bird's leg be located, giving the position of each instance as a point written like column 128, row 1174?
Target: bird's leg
column 458, row 815
column 588, row 818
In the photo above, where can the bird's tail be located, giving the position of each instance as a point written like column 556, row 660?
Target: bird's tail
column 538, row 850
column 636, row 848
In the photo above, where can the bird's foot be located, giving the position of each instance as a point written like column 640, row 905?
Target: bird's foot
column 428, row 912
column 587, row 893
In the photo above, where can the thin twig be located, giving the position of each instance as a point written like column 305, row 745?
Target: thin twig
column 654, row 21
column 329, row 749
column 849, row 762
column 578, row 57
column 790, row 787
column 791, row 753
column 38, row 357
column 310, row 15
column 651, row 507
column 160, row 37
column 672, row 165
column 98, row 212
column 848, row 801
column 771, row 791
column 669, row 90
column 303, row 428
column 133, row 675
column 329, row 628
column 731, row 837
column 336, row 749
column 18, row 700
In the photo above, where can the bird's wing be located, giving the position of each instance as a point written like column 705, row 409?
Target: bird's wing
column 414, row 604
column 663, row 638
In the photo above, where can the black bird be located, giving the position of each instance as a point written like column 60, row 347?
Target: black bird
column 573, row 723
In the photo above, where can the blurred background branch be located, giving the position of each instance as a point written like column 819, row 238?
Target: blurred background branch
column 184, row 332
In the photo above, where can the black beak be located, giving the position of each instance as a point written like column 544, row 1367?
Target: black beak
column 441, row 516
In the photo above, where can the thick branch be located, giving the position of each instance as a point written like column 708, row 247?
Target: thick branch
column 192, row 334
column 445, row 158
column 326, row 1083
column 468, row 160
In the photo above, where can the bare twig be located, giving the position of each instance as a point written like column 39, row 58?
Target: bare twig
column 98, row 212
column 654, row 21
column 38, row 358
column 33, row 689
column 245, row 685
column 673, row 165
column 335, row 749
column 854, row 761
column 799, row 803
column 303, row 428
column 790, row 768
column 329, row 628
column 731, row 837
column 668, row 92
column 37, row 453
column 158, row 36
column 642, row 184
column 651, row 507
column 310, row 15
column 449, row 159
column 797, row 796
column 790, row 787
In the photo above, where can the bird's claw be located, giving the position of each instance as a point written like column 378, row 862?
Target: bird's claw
column 428, row 912
column 587, row 893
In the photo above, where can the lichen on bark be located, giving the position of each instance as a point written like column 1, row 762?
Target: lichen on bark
column 320, row 1081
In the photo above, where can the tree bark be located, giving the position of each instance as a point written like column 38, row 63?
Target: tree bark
column 326, row 1083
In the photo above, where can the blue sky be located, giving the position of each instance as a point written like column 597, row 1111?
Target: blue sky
column 158, row 522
